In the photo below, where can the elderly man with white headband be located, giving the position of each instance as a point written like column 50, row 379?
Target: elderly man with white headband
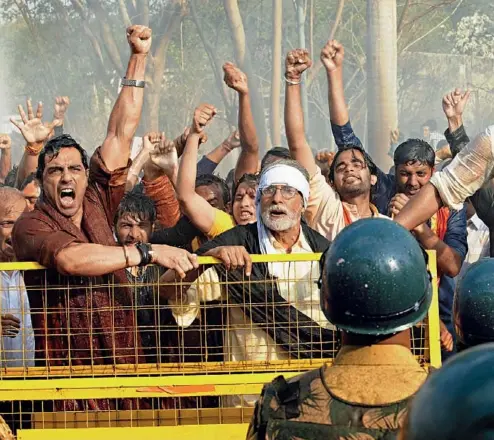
column 273, row 310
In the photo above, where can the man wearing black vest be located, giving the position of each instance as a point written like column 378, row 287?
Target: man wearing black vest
column 273, row 309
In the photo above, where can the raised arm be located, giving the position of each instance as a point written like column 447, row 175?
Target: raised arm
column 297, row 61
column 138, row 165
column 248, row 160
column 208, row 163
column 6, row 157
column 199, row 211
column 160, row 176
column 469, row 171
column 454, row 104
column 126, row 112
column 332, row 56
column 35, row 133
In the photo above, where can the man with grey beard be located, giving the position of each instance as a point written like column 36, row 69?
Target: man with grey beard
column 273, row 309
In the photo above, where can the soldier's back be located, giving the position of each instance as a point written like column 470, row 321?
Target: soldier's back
column 343, row 402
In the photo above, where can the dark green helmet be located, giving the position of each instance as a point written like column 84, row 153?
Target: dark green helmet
column 473, row 308
column 374, row 279
column 457, row 401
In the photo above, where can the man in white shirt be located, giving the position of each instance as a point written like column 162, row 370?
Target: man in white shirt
column 17, row 341
column 273, row 310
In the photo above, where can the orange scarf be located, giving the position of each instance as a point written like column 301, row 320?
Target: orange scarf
column 348, row 219
column 439, row 225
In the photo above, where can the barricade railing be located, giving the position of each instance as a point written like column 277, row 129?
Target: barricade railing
column 129, row 350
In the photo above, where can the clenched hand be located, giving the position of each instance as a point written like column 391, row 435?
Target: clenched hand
column 139, row 38
column 332, row 55
column 235, row 78
column 297, row 62
column 203, row 115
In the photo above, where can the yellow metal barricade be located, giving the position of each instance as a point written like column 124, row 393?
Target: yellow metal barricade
column 198, row 359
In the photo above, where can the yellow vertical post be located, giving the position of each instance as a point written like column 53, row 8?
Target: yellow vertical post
column 433, row 316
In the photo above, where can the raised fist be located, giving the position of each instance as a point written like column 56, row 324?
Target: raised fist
column 232, row 141
column 32, row 128
column 152, row 139
column 235, row 78
column 326, row 157
column 61, row 105
column 139, row 38
column 164, row 155
column 202, row 117
column 297, row 62
column 332, row 55
column 454, row 103
column 5, row 142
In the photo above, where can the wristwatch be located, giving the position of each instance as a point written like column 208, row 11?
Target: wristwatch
column 146, row 252
column 132, row 83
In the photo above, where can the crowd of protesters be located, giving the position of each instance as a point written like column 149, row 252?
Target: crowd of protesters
column 125, row 236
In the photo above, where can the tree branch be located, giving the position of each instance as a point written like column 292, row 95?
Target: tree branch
column 434, row 28
column 107, row 34
column 318, row 65
column 215, row 64
column 124, row 13
column 404, row 13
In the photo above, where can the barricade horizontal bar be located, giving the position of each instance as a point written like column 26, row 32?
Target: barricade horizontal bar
column 136, row 387
column 205, row 432
column 176, row 369
column 201, row 260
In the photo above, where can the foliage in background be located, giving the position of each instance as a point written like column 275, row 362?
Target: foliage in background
column 78, row 48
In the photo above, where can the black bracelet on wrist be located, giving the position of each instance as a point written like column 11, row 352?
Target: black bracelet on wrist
column 145, row 251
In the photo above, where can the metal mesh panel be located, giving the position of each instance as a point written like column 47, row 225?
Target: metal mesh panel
column 112, row 354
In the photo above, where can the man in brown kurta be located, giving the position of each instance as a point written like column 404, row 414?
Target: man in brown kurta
column 82, row 310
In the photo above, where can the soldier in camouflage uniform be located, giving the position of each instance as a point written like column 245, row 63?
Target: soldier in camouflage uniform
column 457, row 401
column 473, row 308
column 374, row 287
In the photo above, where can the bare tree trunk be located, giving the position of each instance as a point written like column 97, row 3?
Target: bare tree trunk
column 275, row 120
column 300, row 5
column 243, row 59
column 154, row 93
column 382, row 106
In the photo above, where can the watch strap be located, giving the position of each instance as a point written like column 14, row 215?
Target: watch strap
column 146, row 253
column 133, row 83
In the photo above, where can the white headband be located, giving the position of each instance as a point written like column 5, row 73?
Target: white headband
column 284, row 175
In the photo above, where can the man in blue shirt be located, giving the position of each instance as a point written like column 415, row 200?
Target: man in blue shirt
column 414, row 161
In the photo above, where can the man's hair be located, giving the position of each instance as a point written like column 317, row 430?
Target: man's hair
column 138, row 205
column 367, row 159
column 9, row 196
column 431, row 123
column 414, row 150
column 281, row 152
column 250, row 179
column 28, row 180
column 291, row 163
column 211, row 179
column 11, row 177
column 52, row 149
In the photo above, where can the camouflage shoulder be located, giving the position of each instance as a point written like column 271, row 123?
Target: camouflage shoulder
column 280, row 400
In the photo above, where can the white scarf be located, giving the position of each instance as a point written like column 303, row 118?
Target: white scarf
column 278, row 174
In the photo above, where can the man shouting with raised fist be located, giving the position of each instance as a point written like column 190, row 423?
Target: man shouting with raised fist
column 70, row 232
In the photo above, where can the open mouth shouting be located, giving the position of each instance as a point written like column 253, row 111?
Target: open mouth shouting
column 246, row 215
column 277, row 212
column 67, row 198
